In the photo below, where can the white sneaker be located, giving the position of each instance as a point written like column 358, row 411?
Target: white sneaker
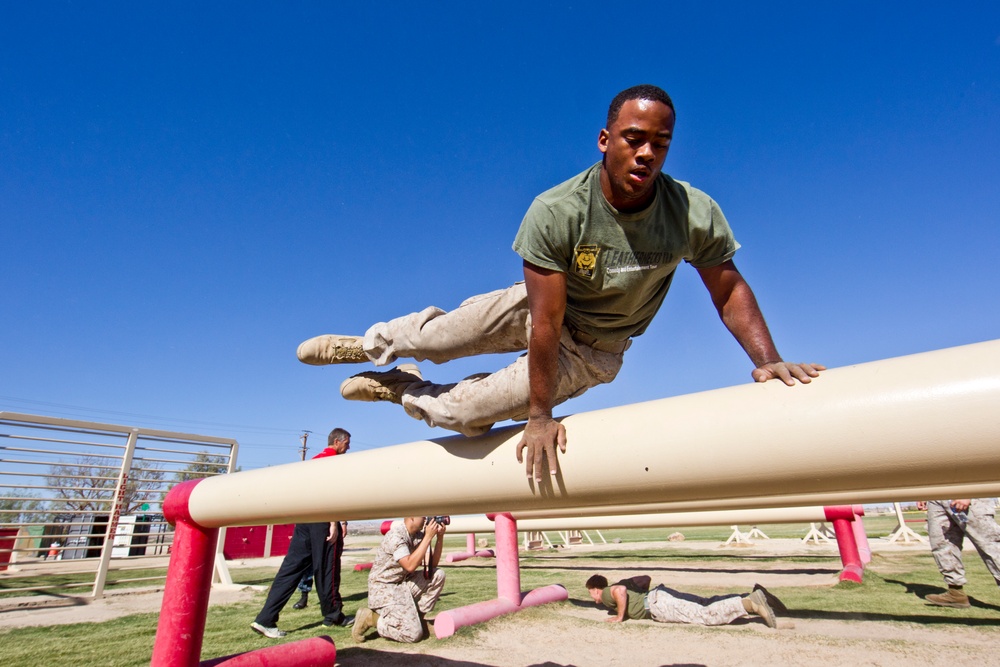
column 270, row 633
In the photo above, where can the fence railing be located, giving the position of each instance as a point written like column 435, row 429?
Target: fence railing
column 80, row 500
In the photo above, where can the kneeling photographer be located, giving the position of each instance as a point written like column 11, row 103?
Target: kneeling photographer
column 404, row 583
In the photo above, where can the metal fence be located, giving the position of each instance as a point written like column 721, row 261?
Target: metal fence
column 81, row 499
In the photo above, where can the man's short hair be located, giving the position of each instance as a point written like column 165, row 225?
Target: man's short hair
column 336, row 434
column 644, row 91
column 597, row 581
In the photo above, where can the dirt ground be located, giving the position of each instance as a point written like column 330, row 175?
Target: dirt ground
column 574, row 633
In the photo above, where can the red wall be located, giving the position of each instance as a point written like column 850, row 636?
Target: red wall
column 248, row 541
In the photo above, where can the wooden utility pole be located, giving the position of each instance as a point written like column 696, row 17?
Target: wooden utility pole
column 303, row 438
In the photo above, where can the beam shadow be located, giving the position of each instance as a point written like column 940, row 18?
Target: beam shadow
column 372, row 657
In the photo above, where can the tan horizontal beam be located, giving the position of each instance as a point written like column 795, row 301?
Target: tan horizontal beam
column 883, row 430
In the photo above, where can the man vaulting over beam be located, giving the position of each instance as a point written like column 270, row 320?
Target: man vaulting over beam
column 599, row 252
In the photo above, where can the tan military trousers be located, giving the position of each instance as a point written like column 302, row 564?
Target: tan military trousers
column 669, row 606
column 946, row 536
column 496, row 322
column 416, row 595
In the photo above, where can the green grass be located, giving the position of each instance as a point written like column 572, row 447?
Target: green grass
column 876, row 526
column 892, row 591
column 117, row 580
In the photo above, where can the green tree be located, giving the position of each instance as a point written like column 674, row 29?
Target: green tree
column 21, row 506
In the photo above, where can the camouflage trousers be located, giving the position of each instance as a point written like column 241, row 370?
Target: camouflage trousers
column 496, row 322
column 946, row 535
column 669, row 606
column 400, row 620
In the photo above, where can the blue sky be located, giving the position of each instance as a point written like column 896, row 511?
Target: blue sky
column 189, row 190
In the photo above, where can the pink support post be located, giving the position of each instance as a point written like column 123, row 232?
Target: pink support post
column 509, row 598
column 189, row 581
column 508, row 566
column 842, row 517
column 470, row 551
column 860, row 536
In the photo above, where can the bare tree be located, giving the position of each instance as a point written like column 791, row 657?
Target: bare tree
column 204, row 465
column 88, row 485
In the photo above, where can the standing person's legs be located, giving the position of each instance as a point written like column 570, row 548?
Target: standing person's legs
column 946, row 542
column 669, row 606
column 326, row 580
column 483, row 324
column 984, row 532
column 297, row 561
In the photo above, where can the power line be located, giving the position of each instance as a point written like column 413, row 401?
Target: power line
column 78, row 411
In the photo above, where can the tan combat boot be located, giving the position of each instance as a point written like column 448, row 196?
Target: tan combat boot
column 363, row 622
column 954, row 597
column 332, row 349
column 757, row 604
column 772, row 600
column 381, row 386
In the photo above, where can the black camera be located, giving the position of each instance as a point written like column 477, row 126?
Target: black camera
column 442, row 520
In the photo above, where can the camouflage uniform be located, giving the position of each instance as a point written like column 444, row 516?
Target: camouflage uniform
column 473, row 405
column 665, row 605
column 669, row 606
column 401, row 598
column 946, row 536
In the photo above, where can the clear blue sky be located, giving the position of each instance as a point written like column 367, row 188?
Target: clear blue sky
column 188, row 190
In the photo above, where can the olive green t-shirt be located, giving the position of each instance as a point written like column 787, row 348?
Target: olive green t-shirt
column 635, row 600
column 619, row 266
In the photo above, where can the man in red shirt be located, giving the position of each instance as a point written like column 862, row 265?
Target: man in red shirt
column 315, row 548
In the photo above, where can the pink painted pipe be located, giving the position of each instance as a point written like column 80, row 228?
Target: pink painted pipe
column 470, row 551
column 508, row 567
column 842, row 517
column 315, row 652
column 509, row 597
column 482, row 553
column 860, row 536
column 447, row 622
column 181, row 628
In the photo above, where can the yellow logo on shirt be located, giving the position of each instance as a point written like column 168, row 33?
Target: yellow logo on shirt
column 585, row 261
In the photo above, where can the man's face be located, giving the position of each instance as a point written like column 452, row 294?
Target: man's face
column 595, row 594
column 634, row 148
column 414, row 524
column 342, row 446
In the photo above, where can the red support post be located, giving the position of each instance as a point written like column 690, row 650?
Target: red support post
column 842, row 518
column 181, row 627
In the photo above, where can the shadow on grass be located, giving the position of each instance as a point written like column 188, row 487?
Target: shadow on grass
column 357, row 655
column 48, row 600
column 923, row 619
column 923, row 590
column 598, row 567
